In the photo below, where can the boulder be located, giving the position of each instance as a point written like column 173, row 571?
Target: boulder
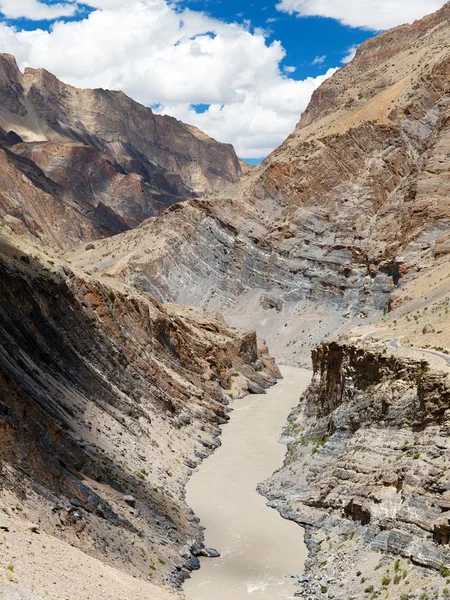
column 130, row 500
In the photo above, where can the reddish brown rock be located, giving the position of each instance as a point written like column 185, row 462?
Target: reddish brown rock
column 106, row 394
column 351, row 203
column 105, row 156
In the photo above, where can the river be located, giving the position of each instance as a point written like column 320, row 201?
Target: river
column 258, row 548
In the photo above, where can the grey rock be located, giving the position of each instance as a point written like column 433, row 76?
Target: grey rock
column 193, row 564
column 130, row 500
column 254, row 388
column 209, row 553
column 185, row 552
column 269, row 302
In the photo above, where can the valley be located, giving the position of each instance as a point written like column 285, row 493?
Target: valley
column 163, row 306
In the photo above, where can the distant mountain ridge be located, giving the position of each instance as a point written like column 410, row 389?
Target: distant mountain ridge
column 107, row 161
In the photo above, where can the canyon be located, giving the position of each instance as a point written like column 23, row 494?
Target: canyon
column 236, row 519
column 108, row 402
column 141, row 265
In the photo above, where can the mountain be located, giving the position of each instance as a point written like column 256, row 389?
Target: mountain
column 354, row 203
column 366, row 472
column 99, row 160
column 111, row 392
column 108, row 401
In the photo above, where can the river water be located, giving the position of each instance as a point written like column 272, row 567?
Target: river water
column 258, row 548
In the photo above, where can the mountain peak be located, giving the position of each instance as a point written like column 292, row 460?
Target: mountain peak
column 42, row 79
column 353, row 201
column 107, row 156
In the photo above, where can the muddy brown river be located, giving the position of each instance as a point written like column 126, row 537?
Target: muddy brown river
column 258, row 548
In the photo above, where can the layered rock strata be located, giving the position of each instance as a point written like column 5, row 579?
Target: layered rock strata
column 107, row 162
column 326, row 227
column 367, row 476
column 108, row 401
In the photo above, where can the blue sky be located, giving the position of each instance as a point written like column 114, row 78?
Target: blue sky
column 313, row 44
column 242, row 71
column 305, row 40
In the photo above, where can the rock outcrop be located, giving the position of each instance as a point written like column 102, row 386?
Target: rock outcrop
column 367, row 475
column 106, row 160
column 106, row 394
column 355, row 199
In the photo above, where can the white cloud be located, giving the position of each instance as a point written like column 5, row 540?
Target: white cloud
column 367, row 14
column 35, row 10
column 288, row 69
column 351, row 52
column 319, row 60
column 257, row 125
column 159, row 54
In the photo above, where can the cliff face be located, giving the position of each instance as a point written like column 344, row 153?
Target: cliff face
column 108, row 159
column 32, row 203
column 352, row 202
column 104, row 394
column 366, row 473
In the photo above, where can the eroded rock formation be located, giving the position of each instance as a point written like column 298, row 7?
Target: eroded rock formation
column 356, row 198
column 107, row 162
column 367, row 474
column 108, row 400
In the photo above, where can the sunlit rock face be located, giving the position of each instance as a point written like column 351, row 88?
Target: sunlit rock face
column 366, row 473
column 355, row 200
column 108, row 162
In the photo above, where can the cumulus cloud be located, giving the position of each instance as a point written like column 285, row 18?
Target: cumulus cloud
column 366, row 14
column 257, row 125
column 35, row 10
column 163, row 55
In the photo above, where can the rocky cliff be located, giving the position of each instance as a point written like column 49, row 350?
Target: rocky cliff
column 108, row 401
column 367, row 475
column 107, row 162
column 327, row 226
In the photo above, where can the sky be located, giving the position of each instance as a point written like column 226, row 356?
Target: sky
column 243, row 71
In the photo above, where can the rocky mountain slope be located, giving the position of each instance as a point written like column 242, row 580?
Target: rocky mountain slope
column 110, row 394
column 366, row 472
column 108, row 401
column 355, row 200
column 96, row 159
column 367, row 475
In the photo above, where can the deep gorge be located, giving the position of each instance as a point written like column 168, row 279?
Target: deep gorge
column 142, row 266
